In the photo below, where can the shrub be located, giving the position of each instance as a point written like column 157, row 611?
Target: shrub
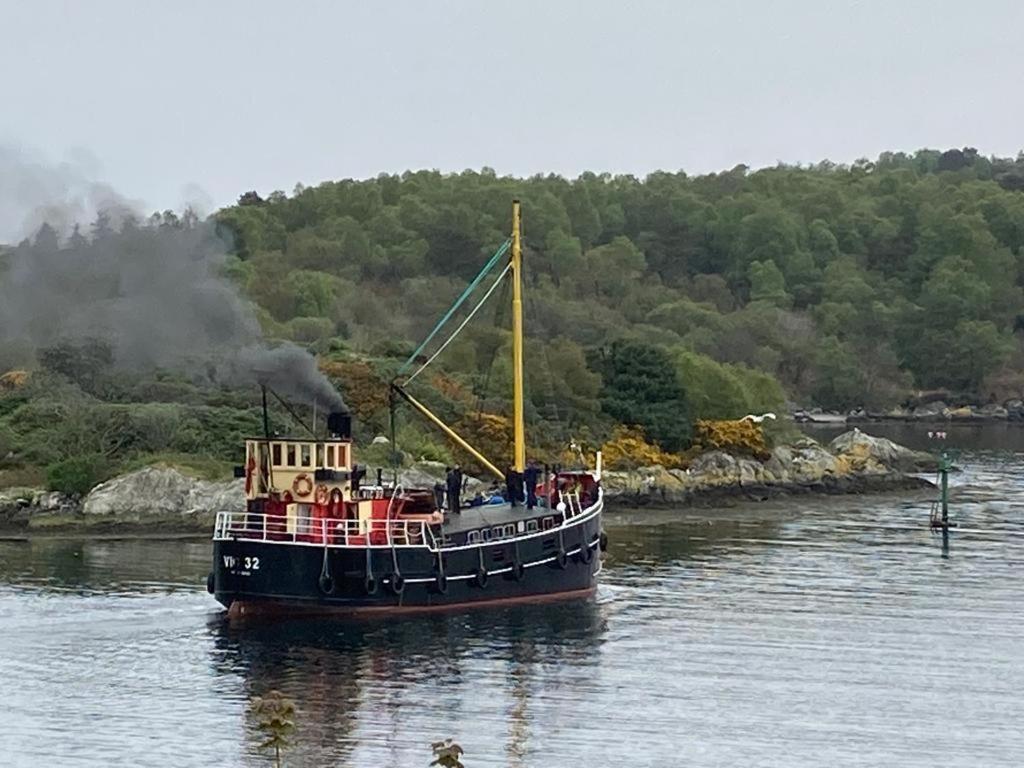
column 628, row 448
column 76, row 476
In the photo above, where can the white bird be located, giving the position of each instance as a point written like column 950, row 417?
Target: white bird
column 758, row 419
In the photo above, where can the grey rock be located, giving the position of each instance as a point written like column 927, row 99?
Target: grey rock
column 935, row 411
column 993, row 412
column 162, row 496
column 867, row 453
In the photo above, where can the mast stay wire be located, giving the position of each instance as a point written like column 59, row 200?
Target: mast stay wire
column 458, row 303
column 463, row 324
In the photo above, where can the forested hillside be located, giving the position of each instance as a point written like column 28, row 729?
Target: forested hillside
column 649, row 303
column 849, row 285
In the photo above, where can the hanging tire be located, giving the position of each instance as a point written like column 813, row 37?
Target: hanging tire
column 586, row 553
column 441, row 584
column 480, row 577
column 326, row 584
column 397, row 582
column 562, row 560
column 209, row 582
column 370, row 585
column 603, row 541
column 518, row 571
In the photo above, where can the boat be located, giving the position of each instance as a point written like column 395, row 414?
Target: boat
column 315, row 536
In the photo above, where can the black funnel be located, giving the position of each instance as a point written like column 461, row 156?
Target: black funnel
column 339, row 424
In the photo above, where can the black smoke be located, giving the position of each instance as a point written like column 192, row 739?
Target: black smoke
column 153, row 289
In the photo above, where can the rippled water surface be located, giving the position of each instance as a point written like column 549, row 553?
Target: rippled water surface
column 812, row 632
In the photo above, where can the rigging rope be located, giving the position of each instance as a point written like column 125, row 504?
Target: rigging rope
column 501, row 320
column 458, row 303
column 462, row 325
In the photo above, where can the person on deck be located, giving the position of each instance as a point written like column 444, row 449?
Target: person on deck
column 531, row 475
column 510, row 485
column 454, row 479
column 439, row 490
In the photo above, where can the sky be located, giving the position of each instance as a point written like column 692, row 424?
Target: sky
column 193, row 101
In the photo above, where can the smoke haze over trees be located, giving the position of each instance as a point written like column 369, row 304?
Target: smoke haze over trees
column 151, row 290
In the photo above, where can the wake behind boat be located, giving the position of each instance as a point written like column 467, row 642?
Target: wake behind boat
column 314, row 537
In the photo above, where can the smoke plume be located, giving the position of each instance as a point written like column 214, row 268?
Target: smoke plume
column 153, row 291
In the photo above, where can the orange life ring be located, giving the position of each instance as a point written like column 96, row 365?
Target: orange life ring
column 302, row 486
column 322, row 494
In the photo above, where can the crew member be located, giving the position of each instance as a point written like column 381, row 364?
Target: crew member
column 454, row 479
column 531, row 476
column 439, row 490
column 510, row 485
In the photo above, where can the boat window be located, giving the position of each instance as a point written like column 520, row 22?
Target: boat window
column 306, row 454
column 531, row 525
column 289, row 455
column 342, row 455
column 319, row 455
column 275, row 450
column 330, row 456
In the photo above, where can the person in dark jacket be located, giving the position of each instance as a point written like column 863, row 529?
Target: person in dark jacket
column 454, row 479
column 531, row 476
column 510, row 485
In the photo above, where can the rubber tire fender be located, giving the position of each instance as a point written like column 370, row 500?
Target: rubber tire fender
column 480, row 577
column 326, row 584
column 441, row 583
column 210, row 582
column 562, row 560
column 397, row 582
column 371, row 585
column 518, row 571
column 586, row 553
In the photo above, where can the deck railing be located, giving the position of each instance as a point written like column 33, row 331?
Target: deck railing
column 316, row 531
column 253, row 526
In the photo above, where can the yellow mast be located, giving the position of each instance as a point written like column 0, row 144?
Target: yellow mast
column 519, row 427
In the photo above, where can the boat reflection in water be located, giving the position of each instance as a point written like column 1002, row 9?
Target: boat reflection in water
column 380, row 685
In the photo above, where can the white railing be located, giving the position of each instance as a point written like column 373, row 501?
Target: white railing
column 252, row 526
column 382, row 534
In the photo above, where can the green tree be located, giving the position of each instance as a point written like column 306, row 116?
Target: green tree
column 641, row 388
column 767, row 283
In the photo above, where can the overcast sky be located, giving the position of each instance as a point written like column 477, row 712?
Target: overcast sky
column 162, row 98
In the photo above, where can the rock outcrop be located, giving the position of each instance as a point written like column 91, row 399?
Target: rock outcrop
column 161, row 498
column 854, row 462
column 19, row 507
column 151, row 498
column 938, row 412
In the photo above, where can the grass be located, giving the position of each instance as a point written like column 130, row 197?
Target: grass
column 198, row 467
column 23, row 477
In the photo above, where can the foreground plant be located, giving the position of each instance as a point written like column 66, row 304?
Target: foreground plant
column 274, row 715
column 447, row 754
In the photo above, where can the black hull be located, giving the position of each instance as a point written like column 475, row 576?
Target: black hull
column 254, row 577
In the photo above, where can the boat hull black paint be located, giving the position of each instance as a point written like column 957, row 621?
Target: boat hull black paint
column 256, row 576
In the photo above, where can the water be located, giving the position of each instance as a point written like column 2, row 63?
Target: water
column 816, row 632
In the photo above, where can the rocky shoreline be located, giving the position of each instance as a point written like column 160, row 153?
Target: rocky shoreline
column 854, row 462
column 162, row 499
column 934, row 412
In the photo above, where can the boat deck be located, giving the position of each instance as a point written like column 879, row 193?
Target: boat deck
column 471, row 518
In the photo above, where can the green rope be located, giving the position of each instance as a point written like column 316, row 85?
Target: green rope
column 458, row 303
